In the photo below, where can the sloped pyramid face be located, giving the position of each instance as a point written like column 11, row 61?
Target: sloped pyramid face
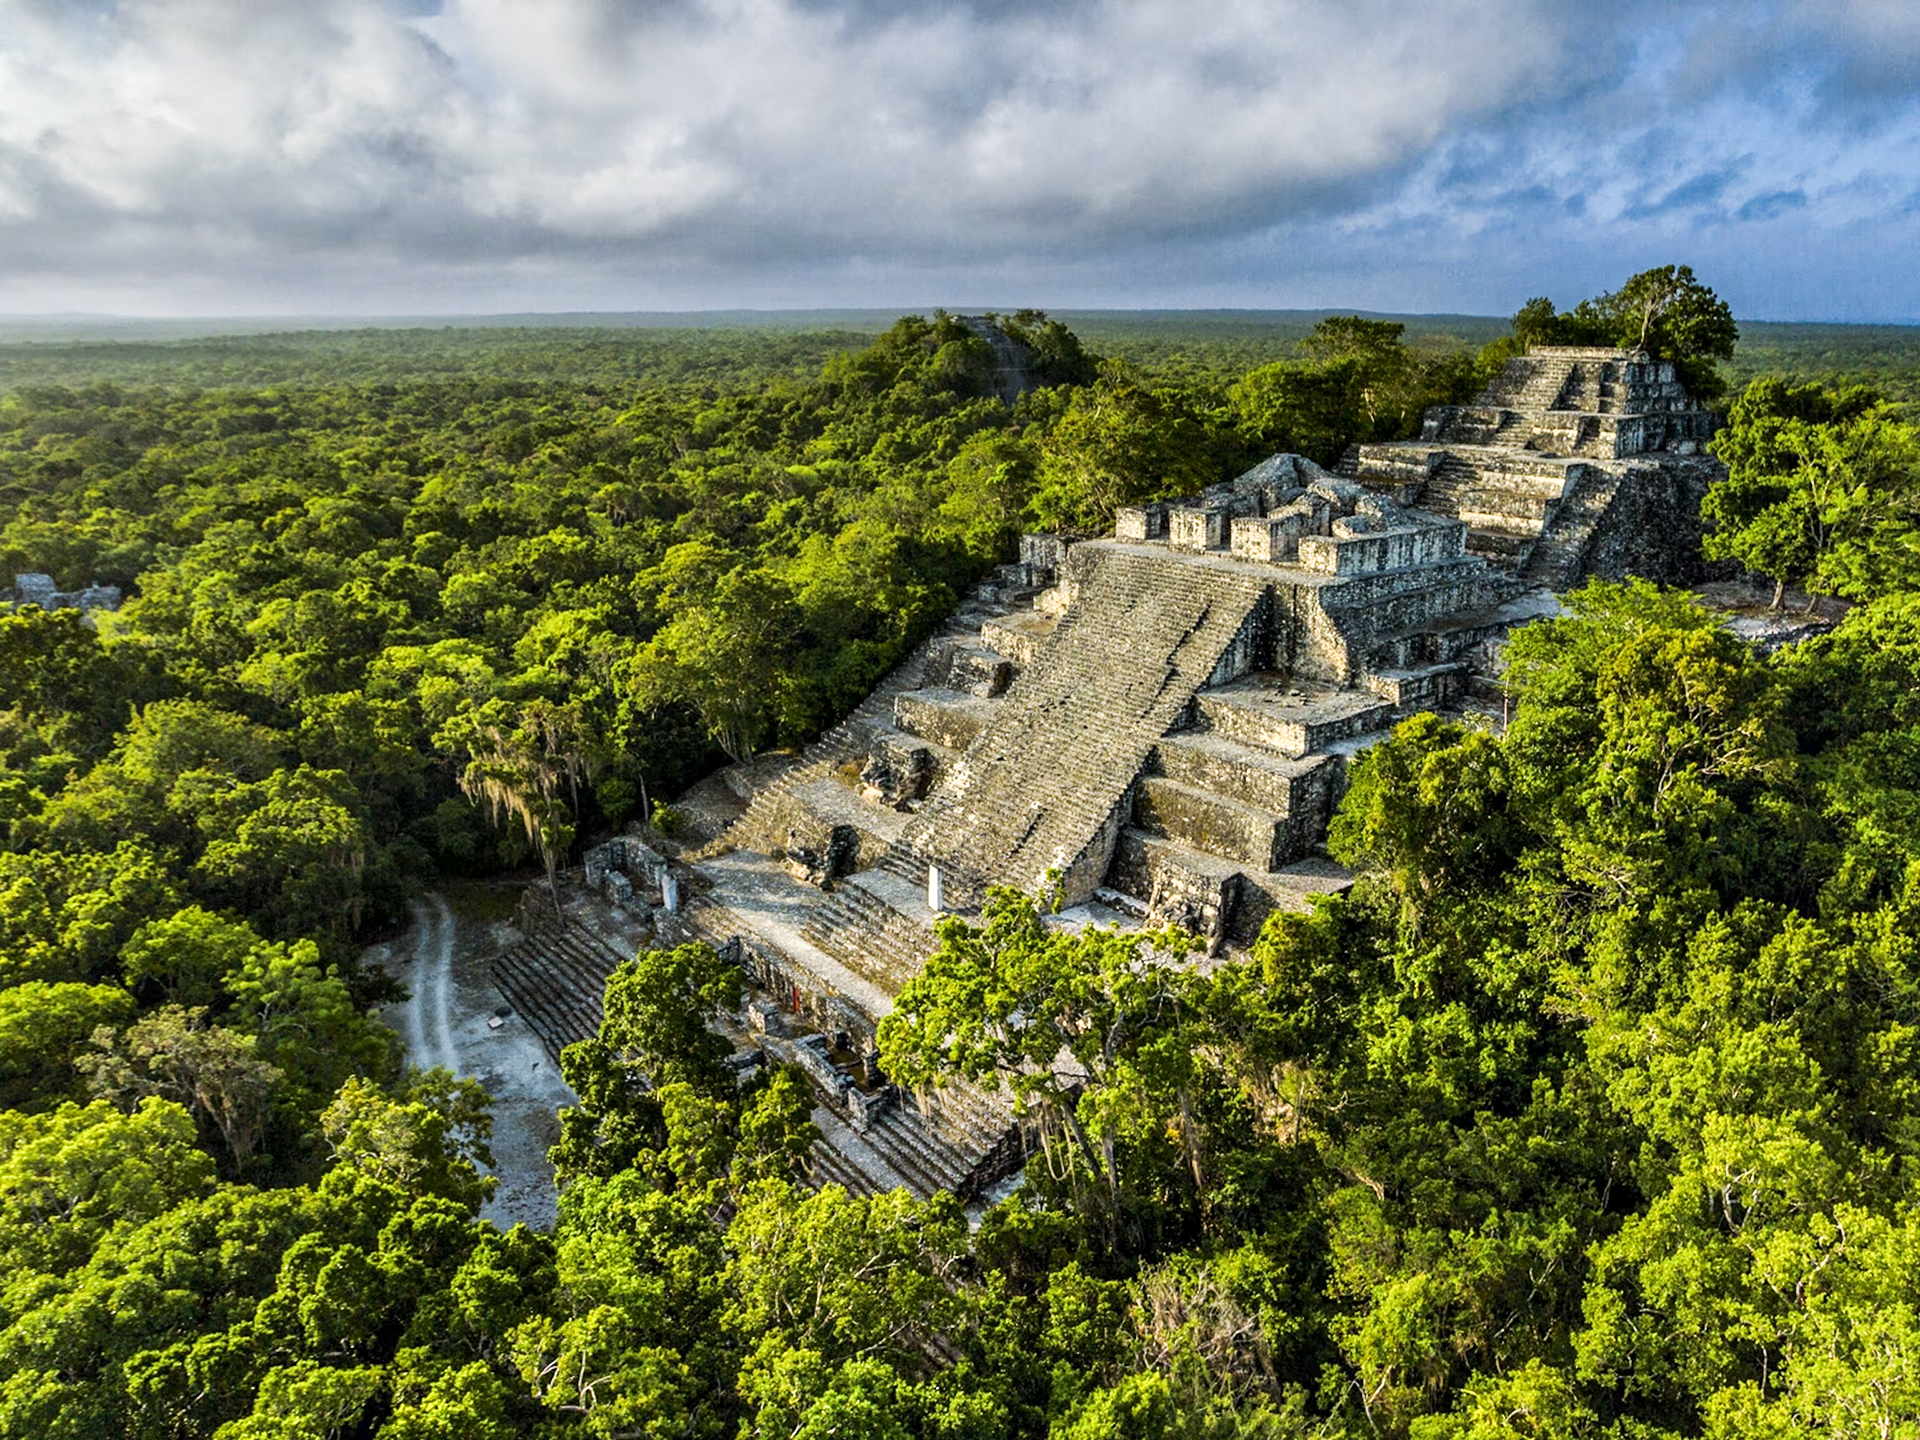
column 1043, row 781
column 1572, row 461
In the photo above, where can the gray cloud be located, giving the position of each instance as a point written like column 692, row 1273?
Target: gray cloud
column 371, row 154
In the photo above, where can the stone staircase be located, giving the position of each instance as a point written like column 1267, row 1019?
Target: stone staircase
column 1451, row 479
column 763, row 825
column 961, row 1143
column 557, row 980
column 1606, row 410
column 876, row 922
column 1556, row 560
column 1051, row 769
column 1238, row 796
column 830, row 1165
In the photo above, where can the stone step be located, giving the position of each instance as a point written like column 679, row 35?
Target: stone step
column 1289, row 720
column 1019, row 636
column 975, row 669
column 972, row 1118
column 828, row 1167
column 877, row 924
column 1251, row 774
column 559, row 998
column 948, row 717
column 1504, row 549
column 1176, row 882
column 921, row 1157
column 554, row 1020
column 1207, row 821
column 1422, row 687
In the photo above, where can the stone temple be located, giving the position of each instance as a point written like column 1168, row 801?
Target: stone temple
column 1158, row 722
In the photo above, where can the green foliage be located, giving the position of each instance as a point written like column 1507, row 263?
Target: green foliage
column 72, row 1174
column 657, row 1096
column 1822, row 489
column 1118, row 442
column 43, row 1028
column 1359, row 382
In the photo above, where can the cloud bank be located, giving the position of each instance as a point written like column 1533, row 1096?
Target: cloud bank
column 365, row 156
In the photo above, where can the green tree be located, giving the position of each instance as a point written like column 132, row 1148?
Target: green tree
column 429, row 1141
column 1665, row 311
column 526, row 765
column 655, row 1032
column 727, row 658
column 180, row 1055
column 72, row 1174
column 187, row 955
column 43, row 1028
column 1072, row 1024
column 1821, row 489
column 1120, row 441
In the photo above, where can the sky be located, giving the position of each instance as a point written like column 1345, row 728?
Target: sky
column 363, row 157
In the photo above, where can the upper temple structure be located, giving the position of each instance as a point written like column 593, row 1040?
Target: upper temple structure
column 1154, row 726
column 1574, row 462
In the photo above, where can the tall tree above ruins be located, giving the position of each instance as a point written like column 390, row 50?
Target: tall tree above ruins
column 1665, row 311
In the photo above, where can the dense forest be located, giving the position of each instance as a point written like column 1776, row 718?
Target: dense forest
column 1589, row 1111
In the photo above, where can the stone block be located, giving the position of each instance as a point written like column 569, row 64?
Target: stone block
column 1043, row 555
column 864, row 1107
column 1140, row 524
column 1358, row 553
column 1247, row 773
column 977, row 670
column 947, row 717
column 1270, row 540
column 1425, row 687
column 1180, row 885
column 1206, row 821
column 1191, row 528
column 1289, row 720
column 1018, row 637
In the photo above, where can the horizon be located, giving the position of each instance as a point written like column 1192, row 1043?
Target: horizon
column 260, row 324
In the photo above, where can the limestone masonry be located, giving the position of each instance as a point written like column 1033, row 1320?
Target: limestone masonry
column 1161, row 720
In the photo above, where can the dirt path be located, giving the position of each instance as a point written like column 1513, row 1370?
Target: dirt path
column 443, row 962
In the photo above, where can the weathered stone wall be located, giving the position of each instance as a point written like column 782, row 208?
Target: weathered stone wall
column 1213, row 823
column 1653, row 527
column 1195, row 890
column 1140, row 523
column 1284, row 787
column 1356, row 548
column 1192, row 528
column 943, row 715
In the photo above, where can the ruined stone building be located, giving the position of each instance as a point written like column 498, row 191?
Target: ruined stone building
column 34, row 588
column 1160, row 720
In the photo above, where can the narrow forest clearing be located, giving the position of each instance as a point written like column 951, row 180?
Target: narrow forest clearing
column 443, row 962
